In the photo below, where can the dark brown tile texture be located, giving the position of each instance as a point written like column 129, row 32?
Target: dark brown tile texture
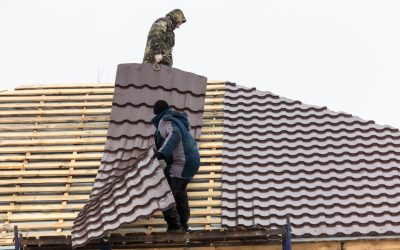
column 130, row 184
column 334, row 173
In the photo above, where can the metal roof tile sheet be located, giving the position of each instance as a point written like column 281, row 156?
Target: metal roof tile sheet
column 335, row 174
column 130, row 184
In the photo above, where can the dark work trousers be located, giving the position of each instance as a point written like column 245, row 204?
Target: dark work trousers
column 178, row 217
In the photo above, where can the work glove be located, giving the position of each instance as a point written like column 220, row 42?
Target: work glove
column 158, row 58
column 163, row 164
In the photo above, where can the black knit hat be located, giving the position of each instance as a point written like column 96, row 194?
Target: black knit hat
column 160, row 106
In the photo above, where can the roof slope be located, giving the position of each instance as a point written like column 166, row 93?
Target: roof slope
column 130, row 184
column 52, row 141
column 334, row 173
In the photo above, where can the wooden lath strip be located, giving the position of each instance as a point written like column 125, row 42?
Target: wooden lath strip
column 101, row 104
column 92, row 118
column 65, row 165
column 85, row 197
column 82, row 148
column 85, row 189
column 96, row 111
column 77, row 125
column 50, row 216
column 72, row 98
column 81, row 156
column 73, row 172
column 213, row 89
column 77, row 207
column 49, row 180
column 85, row 141
column 86, row 85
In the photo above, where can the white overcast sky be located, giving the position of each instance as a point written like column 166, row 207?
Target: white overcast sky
column 341, row 54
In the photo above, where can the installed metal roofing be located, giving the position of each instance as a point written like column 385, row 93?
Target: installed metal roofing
column 335, row 174
column 130, row 184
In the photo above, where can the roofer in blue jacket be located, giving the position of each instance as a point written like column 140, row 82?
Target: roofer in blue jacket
column 178, row 152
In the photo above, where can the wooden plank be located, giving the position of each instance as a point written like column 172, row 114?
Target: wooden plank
column 51, row 149
column 46, row 225
column 24, row 120
column 55, row 104
column 215, row 82
column 55, row 126
column 64, row 165
column 8, row 190
column 207, row 126
column 45, row 181
column 80, row 110
column 87, row 85
column 7, row 99
column 38, row 190
column 95, row 118
column 4, row 166
column 75, row 141
column 79, row 206
column 41, row 208
column 207, row 176
column 210, row 152
column 211, row 160
column 81, row 180
column 86, row 133
column 46, row 92
column 72, row 91
column 372, row 245
column 85, row 197
column 58, row 141
column 33, row 173
column 55, row 173
column 84, row 156
column 105, row 105
column 35, row 198
column 65, row 85
column 69, row 98
column 81, row 156
column 56, row 112
column 46, row 165
column 86, row 148
column 51, row 134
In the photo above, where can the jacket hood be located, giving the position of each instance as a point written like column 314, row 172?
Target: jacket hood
column 176, row 16
column 172, row 115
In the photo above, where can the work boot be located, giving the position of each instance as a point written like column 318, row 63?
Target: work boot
column 185, row 227
column 174, row 229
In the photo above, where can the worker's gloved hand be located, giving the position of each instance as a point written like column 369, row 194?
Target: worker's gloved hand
column 158, row 58
column 163, row 164
column 160, row 156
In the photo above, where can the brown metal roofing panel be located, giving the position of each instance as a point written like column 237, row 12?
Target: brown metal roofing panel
column 334, row 173
column 129, row 183
column 130, row 131
column 140, row 191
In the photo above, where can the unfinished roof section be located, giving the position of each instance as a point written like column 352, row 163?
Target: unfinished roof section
column 335, row 174
column 130, row 183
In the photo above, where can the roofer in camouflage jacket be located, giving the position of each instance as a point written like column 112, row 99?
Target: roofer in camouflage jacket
column 161, row 38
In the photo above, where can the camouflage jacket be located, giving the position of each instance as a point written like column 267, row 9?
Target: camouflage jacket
column 161, row 38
